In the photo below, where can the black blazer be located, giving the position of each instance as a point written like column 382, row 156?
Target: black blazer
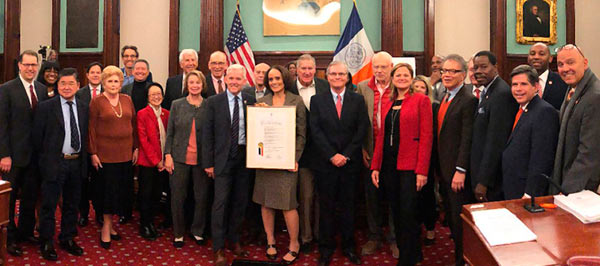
column 173, row 91
column 332, row 135
column 453, row 147
column 16, row 121
column 491, row 128
column 49, row 134
column 309, row 154
column 216, row 130
column 530, row 151
column 84, row 94
column 555, row 90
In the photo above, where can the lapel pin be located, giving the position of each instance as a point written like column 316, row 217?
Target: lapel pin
column 526, row 110
column 550, row 82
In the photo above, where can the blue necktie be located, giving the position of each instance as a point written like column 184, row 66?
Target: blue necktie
column 74, row 132
column 235, row 128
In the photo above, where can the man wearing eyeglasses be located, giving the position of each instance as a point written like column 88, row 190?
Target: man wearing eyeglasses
column 577, row 164
column 215, row 81
column 491, row 128
column 18, row 100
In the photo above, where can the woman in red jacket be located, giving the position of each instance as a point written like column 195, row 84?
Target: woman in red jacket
column 402, row 157
column 152, row 134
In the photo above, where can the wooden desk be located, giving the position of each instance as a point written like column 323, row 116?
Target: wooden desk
column 4, row 202
column 560, row 236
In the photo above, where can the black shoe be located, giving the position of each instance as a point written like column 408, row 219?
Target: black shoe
column 324, row 260
column 199, row 240
column 13, row 249
column 71, row 247
column 306, row 247
column 124, row 219
column 83, row 221
column 178, row 244
column 115, row 237
column 31, row 239
column 154, row 231
column 104, row 245
column 147, row 233
column 48, row 251
column 271, row 256
column 352, row 257
column 290, row 262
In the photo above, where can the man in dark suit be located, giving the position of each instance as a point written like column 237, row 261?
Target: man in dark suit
column 530, row 150
column 533, row 24
column 258, row 90
column 188, row 61
column 60, row 134
column 491, row 128
column 215, row 81
column 453, row 124
column 224, row 160
column 552, row 87
column 577, row 164
column 18, row 100
column 307, row 85
column 85, row 95
column 339, row 124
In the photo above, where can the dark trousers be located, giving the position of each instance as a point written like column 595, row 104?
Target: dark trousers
column 401, row 191
column 127, row 195
column 26, row 182
column 453, row 205
column 88, row 193
column 428, row 205
column 373, row 200
column 150, row 189
column 183, row 174
column 67, row 183
column 231, row 199
column 336, row 189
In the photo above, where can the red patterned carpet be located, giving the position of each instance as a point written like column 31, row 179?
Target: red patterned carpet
column 134, row 250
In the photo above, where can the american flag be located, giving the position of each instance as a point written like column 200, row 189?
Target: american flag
column 238, row 48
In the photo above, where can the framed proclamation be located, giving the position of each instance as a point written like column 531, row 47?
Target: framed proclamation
column 271, row 137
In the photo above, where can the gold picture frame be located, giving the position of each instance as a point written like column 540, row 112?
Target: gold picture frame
column 536, row 21
column 301, row 17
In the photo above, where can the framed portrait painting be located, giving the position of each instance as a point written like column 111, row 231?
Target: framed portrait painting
column 536, row 21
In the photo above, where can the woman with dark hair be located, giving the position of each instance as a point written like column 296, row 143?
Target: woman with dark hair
column 183, row 154
column 276, row 189
column 48, row 75
column 402, row 155
column 152, row 135
column 291, row 67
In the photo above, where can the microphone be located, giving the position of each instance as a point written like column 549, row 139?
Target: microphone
column 555, row 185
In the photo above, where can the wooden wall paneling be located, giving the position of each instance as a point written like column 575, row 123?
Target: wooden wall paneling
column 56, row 27
column 429, row 50
column 498, row 34
column 570, row 10
column 80, row 61
column 12, row 38
column 211, row 31
column 173, row 37
column 112, row 27
column 391, row 27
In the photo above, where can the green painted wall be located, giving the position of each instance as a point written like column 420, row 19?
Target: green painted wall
column 251, row 12
column 1, row 26
column 512, row 47
column 189, row 24
column 63, row 30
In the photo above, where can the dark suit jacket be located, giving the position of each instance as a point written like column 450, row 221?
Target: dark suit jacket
column 555, row 90
column 530, row 150
column 491, row 128
column 211, row 89
column 332, row 135
column 173, row 90
column 252, row 91
column 16, row 121
column 577, row 164
column 216, row 130
column 453, row 141
column 308, row 156
column 84, row 94
column 49, row 135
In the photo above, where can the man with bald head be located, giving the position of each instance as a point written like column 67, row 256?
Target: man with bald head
column 577, row 164
column 552, row 87
column 188, row 61
column 215, row 78
column 376, row 92
column 258, row 90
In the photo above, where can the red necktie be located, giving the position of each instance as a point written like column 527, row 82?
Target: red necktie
column 338, row 105
column 517, row 117
column 94, row 93
column 33, row 98
column 477, row 92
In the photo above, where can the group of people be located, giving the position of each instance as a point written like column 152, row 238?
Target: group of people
column 407, row 137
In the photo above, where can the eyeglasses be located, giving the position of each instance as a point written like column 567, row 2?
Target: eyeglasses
column 338, row 74
column 29, row 65
column 450, row 71
column 568, row 47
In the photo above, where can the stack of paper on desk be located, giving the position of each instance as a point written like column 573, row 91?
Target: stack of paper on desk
column 500, row 227
column 584, row 205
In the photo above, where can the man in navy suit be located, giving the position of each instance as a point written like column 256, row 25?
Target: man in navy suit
column 60, row 134
column 530, row 150
column 18, row 100
column 338, row 124
column 552, row 87
column 491, row 128
column 224, row 160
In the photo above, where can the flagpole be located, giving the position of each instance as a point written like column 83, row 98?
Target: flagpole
column 237, row 9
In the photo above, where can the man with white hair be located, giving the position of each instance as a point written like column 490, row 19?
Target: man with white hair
column 188, row 61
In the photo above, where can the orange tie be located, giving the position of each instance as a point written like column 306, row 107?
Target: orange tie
column 442, row 112
column 517, row 117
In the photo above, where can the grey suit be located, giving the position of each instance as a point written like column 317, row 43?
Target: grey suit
column 577, row 164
